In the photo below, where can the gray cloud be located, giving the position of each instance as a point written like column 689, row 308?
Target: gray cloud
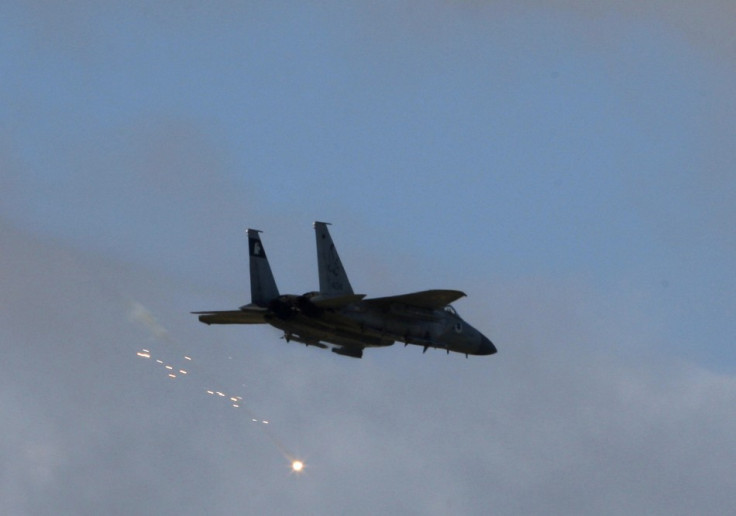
column 545, row 426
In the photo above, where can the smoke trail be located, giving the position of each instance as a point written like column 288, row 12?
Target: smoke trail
column 141, row 315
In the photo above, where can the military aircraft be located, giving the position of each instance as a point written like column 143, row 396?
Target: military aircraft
column 349, row 323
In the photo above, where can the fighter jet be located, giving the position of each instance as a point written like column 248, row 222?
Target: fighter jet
column 346, row 322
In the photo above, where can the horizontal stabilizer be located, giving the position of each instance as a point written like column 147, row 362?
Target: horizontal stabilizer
column 323, row 301
column 431, row 299
column 242, row 316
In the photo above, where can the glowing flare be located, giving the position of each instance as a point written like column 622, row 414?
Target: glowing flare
column 297, row 466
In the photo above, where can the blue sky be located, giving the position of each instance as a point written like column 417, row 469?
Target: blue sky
column 534, row 141
column 568, row 167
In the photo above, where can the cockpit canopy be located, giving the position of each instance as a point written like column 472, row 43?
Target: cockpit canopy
column 450, row 310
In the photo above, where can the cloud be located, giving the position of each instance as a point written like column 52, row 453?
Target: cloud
column 540, row 427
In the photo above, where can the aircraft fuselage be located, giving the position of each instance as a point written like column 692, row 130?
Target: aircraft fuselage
column 359, row 324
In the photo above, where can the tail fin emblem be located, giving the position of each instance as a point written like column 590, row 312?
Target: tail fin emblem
column 256, row 248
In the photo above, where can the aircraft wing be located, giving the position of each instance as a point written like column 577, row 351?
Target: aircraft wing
column 431, row 299
column 336, row 301
column 246, row 315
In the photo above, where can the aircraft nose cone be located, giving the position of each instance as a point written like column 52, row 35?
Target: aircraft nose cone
column 486, row 346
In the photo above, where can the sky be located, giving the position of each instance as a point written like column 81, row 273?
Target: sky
column 567, row 165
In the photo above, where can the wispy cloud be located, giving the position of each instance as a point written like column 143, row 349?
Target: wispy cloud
column 558, row 431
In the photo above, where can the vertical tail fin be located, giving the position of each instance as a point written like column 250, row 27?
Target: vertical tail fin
column 262, row 285
column 333, row 280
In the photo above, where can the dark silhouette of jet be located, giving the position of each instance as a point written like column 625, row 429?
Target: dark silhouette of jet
column 348, row 322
